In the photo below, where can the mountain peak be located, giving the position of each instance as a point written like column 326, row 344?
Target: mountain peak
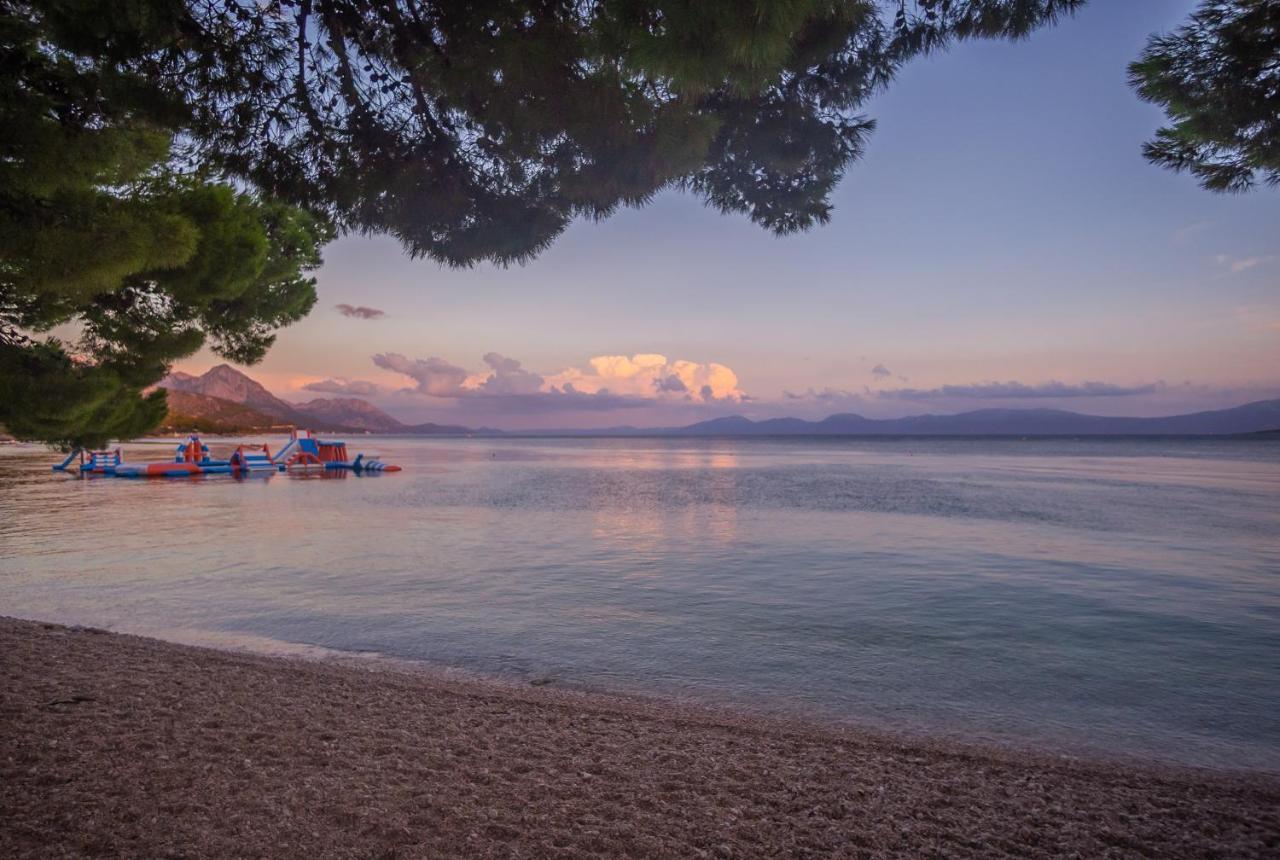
column 225, row 370
column 226, row 383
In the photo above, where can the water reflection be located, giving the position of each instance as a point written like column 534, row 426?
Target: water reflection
column 629, row 517
column 1117, row 595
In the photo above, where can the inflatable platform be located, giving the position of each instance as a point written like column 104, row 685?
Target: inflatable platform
column 192, row 457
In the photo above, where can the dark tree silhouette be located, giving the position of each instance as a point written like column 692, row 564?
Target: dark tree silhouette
column 1218, row 79
column 478, row 131
column 100, row 234
column 170, row 168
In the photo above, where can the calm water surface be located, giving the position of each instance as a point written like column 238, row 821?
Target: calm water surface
column 1117, row 596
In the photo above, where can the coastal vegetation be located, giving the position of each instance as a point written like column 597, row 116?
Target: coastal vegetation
column 112, row 229
column 199, row 413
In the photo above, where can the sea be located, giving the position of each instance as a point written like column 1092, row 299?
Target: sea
column 1113, row 597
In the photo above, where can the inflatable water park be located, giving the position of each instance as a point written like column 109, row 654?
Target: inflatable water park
column 302, row 452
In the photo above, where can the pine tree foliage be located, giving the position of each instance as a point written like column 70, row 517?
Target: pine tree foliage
column 1218, row 79
column 479, row 131
column 169, row 169
column 99, row 235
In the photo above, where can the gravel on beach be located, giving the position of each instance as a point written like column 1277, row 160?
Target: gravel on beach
column 118, row 746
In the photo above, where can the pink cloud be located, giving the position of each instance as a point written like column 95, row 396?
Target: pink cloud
column 607, row 381
column 349, row 387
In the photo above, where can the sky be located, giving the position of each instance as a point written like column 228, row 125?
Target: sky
column 1001, row 244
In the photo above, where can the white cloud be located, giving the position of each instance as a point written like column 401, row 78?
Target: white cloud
column 1242, row 264
column 652, row 376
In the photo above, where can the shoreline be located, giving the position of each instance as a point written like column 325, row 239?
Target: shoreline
column 116, row 744
column 771, row 713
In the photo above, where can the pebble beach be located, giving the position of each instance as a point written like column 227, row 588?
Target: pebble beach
column 119, row 746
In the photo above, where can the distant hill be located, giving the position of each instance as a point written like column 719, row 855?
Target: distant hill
column 1261, row 418
column 229, row 400
column 224, row 400
column 351, row 412
column 430, row 429
column 1249, row 418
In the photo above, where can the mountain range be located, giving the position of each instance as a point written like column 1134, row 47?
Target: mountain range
column 1250, row 418
column 226, row 400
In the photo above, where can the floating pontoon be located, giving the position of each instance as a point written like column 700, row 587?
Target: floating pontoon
column 303, row 451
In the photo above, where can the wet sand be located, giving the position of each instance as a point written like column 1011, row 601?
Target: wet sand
column 114, row 745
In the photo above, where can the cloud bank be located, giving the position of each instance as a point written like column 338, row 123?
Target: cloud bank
column 1021, row 391
column 349, row 387
column 505, row 376
column 607, row 382
column 433, row 376
column 359, row 312
column 822, row 395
